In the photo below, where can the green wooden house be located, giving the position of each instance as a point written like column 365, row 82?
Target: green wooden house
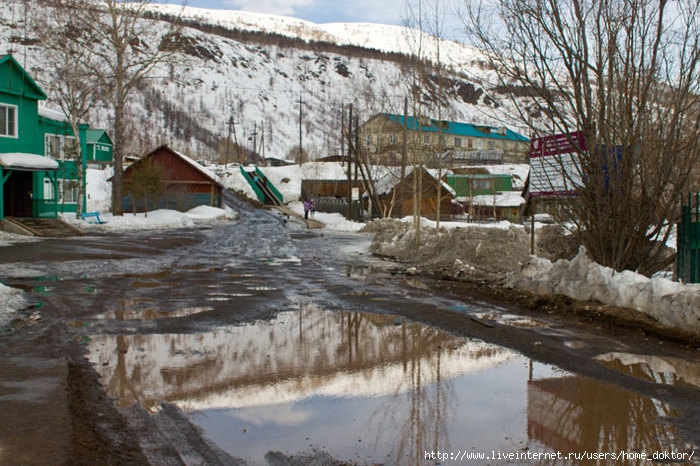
column 100, row 149
column 488, row 195
column 38, row 167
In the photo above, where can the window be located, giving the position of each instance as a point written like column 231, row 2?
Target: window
column 48, row 190
column 479, row 144
column 68, row 191
column 8, row 121
column 368, row 140
column 458, row 142
column 470, row 143
column 426, row 139
column 53, row 144
column 392, row 138
column 481, row 184
column 70, row 150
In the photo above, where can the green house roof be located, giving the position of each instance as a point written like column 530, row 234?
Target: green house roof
column 93, row 136
column 15, row 80
column 454, row 128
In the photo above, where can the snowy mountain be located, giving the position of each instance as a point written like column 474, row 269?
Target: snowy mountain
column 256, row 69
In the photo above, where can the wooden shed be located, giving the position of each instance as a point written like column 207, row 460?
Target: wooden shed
column 166, row 179
column 397, row 198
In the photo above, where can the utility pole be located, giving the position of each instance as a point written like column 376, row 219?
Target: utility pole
column 254, row 135
column 228, row 140
column 404, row 157
column 300, row 117
column 235, row 141
column 348, row 215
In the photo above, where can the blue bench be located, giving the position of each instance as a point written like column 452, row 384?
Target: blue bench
column 95, row 215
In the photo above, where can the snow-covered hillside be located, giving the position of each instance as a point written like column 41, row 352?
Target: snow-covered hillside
column 257, row 69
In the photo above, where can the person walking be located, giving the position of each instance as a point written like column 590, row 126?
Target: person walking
column 307, row 208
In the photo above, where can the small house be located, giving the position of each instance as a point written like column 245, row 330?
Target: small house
column 397, row 196
column 99, row 149
column 167, row 179
column 491, row 192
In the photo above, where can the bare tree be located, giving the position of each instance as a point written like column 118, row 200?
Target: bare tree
column 127, row 48
column 624, row 73
column 73, row 87
column 416, row 79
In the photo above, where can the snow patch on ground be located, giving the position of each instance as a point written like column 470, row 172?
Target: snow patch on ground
column 671, row 303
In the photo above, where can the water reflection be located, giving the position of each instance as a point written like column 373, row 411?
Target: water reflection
column 577, row 414
column 371, row 388
column 667, row 370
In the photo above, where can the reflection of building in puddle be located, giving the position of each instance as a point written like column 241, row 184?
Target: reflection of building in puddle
column 296, row 355
column 667, row 370
column 149, row 313
column 573, row 414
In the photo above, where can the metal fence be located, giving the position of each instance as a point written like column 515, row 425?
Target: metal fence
column 688, row 256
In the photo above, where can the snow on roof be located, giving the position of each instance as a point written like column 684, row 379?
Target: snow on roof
column 517, row 171
column 52, row 114
column 27, row 162
column 500, row 199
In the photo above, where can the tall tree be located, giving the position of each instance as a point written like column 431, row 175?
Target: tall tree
column 127, row 48
column 73, row 87
column 625, row 73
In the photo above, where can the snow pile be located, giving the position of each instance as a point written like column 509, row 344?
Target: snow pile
column 478, row 252
column 11, row 299
column 672, row 303
column 154, row 220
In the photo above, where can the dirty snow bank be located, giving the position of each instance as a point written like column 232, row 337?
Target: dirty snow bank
column 477, row 252
column 11, row 299
column 672, row 303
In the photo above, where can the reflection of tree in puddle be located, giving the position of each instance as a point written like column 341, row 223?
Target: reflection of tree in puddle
column 576, row 414
column 298, row 356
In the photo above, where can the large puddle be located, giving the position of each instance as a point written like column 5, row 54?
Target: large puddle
column 374, row 389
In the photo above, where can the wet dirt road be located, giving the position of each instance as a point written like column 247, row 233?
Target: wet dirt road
column 216, row 346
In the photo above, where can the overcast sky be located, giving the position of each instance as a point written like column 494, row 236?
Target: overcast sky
column 317, row 11
column 330, row 11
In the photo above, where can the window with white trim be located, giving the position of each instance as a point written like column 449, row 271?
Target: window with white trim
column 53, row 146
column 48, row 190
column 68, row 191
column 8, row 120
column 70, row 150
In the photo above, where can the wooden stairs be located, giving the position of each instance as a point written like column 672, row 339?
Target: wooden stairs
column 49, row 227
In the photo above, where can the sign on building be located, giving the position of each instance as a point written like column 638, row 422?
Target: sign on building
column 554, row 164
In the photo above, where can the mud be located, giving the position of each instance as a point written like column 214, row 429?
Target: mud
column 76, row 422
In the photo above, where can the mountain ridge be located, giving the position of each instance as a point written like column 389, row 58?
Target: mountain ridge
column 250, row 74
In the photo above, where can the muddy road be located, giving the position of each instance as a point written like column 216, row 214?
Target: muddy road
column 259, row 341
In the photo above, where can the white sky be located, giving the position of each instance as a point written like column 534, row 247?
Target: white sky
column 393, row 12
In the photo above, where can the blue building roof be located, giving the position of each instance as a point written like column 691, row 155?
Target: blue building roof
column 453, row 128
